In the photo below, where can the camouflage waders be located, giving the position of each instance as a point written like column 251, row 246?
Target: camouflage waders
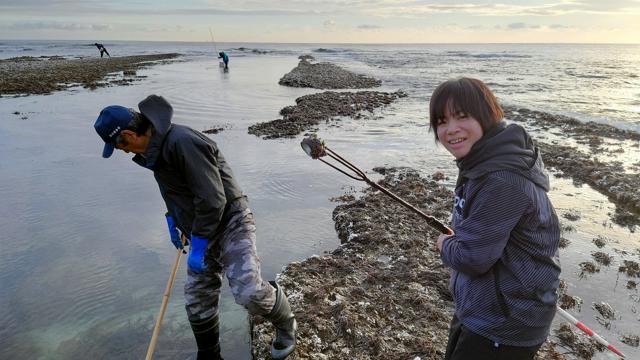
column 234, row 254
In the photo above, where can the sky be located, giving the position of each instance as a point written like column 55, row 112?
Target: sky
column 324, row 21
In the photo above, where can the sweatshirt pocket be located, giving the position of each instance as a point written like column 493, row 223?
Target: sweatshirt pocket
column 499, row 295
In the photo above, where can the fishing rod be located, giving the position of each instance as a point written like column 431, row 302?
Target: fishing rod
column 317, row 149
column 213, row 41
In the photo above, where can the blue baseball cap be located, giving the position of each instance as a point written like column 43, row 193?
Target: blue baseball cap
column 111, row 121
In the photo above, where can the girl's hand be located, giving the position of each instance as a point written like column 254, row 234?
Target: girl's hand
column 441, row 240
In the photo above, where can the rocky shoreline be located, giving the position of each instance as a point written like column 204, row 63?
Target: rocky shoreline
column 29, row 75
column 383, row 293
column 312, row 109
column 325, row 76
column 608, row 178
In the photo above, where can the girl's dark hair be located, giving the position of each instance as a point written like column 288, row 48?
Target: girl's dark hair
column 466, row 95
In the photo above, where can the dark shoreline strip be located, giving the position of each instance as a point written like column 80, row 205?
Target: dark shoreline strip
column 29, row 76
column 312, row 109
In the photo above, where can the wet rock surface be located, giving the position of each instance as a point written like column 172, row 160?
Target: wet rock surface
column 608, row 178
column 631, row 268
column 602, row 258
column 28, row 75
column 383, row 294
column 579, row 344
column 325, row 76
column 312, row 109
column 584, row 132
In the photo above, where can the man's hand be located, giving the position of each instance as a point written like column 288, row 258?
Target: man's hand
column 441, row 240
column 196, row 255
column 173, row 232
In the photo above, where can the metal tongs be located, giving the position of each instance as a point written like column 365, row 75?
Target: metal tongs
column 316, row 148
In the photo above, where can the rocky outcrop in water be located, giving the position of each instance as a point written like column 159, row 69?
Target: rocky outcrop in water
column 29, row 75
column 589, row 133
column 312, row 109
column 608, row 178
column 326, row 76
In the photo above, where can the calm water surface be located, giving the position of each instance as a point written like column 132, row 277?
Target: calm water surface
column 85, row 253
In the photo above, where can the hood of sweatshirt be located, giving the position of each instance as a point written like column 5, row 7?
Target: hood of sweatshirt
column 159, row 113
column 504, row 147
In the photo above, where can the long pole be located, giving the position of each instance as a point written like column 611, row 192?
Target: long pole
column 165, row 301
column 589, row 332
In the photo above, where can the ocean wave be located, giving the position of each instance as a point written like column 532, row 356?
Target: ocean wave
column 487, row 55
column 254, row 51
column 586, row 76
column 325, row 50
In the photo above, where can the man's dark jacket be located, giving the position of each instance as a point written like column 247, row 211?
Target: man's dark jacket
column 195, row 181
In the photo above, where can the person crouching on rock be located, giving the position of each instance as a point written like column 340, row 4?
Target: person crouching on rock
column 102, row 49
column 205, row 201
column 504, row 250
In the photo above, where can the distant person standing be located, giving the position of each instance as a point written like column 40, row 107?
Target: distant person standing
column 102, row 50
column 225, row 58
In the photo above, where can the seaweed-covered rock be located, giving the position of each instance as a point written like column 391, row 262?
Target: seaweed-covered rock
column 27, row 75
column 311, row 109
column 325, row 76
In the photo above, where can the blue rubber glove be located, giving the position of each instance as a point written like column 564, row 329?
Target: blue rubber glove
column 173, row 231
column 196, row 255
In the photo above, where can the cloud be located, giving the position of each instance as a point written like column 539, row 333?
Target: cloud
column 369, row 27
column 561, row 7
column 329, row 24
column 51, row 25
column 521, row 25
column 517, row 26
column 101, row 27
column 267, row 8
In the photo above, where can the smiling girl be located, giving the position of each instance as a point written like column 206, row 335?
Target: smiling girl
column 504, row 251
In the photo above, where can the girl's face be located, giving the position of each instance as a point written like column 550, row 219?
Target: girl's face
column 458, row 132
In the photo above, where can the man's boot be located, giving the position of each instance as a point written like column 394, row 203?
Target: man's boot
column 207, row 335
column 285, row 322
